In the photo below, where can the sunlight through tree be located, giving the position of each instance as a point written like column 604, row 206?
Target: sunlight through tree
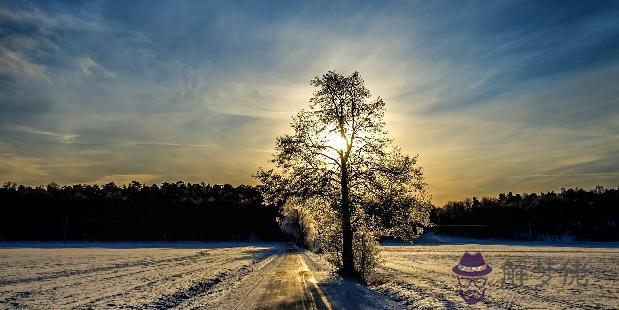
column 341, row 154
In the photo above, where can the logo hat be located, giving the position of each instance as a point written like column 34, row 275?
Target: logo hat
column 472, row 265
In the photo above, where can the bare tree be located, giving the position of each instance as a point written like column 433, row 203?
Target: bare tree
column 340, row 152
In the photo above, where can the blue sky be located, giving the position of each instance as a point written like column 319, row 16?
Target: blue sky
column 493, row 96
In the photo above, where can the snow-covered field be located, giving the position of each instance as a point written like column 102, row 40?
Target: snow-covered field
column 142, row 275
column 206, row 275
column 523, row 277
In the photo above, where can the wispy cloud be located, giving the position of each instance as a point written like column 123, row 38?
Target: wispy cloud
column 90, row 67
column 16, row 65
column 64, row 138
column 493, row 96
column 148, row 143
column 127, row 178
column 58, row 20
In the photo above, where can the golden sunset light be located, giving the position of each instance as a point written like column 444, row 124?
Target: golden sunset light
column 309, row 154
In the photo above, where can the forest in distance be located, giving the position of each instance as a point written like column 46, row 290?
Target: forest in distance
column 184, row 211
column 135, row 212
column 574, row 213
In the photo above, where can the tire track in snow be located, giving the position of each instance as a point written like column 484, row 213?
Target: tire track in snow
column 244, row 289
column 145, row 273
column 82, row 278
column 199, row 289
column 74, row 272
column 150, row 286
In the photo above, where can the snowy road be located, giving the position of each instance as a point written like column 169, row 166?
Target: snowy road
column 284, row 283
column 177, row 276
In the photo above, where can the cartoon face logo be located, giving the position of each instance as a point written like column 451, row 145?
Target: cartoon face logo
column 471, row 273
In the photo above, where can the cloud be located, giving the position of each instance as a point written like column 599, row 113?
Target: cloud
column 494, row 97
column 90, row 67
column 64, row 138
column 32, row 15
column 20, row 169
column 159, row 143
column 16, row 65
column 120, row 179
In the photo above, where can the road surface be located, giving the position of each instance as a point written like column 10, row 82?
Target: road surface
column 286, row 282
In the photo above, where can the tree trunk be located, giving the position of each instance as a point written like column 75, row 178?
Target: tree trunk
column 301, row 230
column 348, row 268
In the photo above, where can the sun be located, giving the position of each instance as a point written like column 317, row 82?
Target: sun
column 336, row 141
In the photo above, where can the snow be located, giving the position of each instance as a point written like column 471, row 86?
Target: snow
column 346, row 294
column 205, row 275
column 420, row 276
column 138, row 275
column 431, row 238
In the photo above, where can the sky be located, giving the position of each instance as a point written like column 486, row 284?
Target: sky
column 494, row 96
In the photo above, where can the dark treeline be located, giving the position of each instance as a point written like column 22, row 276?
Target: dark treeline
column 184, row 211
column 582, row 214
column 167, row 212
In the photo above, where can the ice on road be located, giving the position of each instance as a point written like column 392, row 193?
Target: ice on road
column 285, row 283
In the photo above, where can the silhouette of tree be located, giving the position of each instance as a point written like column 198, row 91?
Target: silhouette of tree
column 341, row 152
